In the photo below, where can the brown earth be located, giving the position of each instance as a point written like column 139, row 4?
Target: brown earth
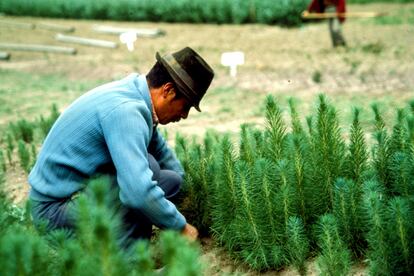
column 279, row 61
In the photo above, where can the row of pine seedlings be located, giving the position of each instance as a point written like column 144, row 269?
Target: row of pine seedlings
column 95, row 247
column 21, row 139
column 282, row 196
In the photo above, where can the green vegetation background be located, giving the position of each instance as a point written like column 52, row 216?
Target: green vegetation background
column 195, row 11
column 285, row 12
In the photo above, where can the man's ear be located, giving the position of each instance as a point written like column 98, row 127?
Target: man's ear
column 169, row 90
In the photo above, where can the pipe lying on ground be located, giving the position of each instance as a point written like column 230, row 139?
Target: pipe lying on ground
column 86, row 41
column 119, row 30
column 37, row 48
column 4, row 56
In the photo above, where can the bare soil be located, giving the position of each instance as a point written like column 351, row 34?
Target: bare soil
column 377, row 65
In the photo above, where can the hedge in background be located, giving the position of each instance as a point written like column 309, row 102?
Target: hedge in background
column 284, row 12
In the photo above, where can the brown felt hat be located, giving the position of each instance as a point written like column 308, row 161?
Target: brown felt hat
column 190, row 72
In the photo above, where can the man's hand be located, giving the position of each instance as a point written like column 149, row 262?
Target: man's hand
column 190, row 232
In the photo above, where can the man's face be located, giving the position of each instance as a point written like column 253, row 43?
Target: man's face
column 172, row 108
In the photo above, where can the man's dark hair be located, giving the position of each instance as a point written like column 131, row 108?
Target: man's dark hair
column 158, row 76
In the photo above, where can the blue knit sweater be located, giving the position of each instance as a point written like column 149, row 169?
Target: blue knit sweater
column 108, row 129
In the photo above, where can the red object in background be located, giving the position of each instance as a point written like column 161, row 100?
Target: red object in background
column 319, row 6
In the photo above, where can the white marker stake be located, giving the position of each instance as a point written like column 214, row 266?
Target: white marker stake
column 232, row 59
column 128, row 38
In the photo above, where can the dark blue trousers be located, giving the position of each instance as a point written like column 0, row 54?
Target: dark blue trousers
column 60, row 214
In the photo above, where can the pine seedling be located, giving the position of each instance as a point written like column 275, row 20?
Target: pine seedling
column 33, row 153
column 296, row 124
column 260, row 142
column 411, row 107
column 3, row 166
column 398, row 139
column 179, row 256
column 95, row 216
column 4, row 204
column 24, row 156
column 143, row 263
column 357, row 157
column 401, row 152
column 378, row 119
column 260, row 198
column 310, row 125
column 275, row 129
column 98, row 228
column 210, row 166
column 314, row 201
column 402, row 174
column 189, row 154
column 225, row 196
column 22, row 130
column 211, row 143
column 334, row 258
column 298, row 154
column 248, row 228
column 264, row 194
column 299, row 174
column 10, row 147
column 247, row 150
column 181, row 150
column 328, row 156
column 67, row 261
column 196, row 206
column 46, row 124
column 297, row 245
column 212, row 151
column 381, row 153
column 297, row 129
column 285, row 197
column 377, row 236
column 410, row 129
column 23, row 253
column 401, row 230
column 244, row 213
column 204, row 192
column 349, row 213
column 382, row 160
column 2, row 193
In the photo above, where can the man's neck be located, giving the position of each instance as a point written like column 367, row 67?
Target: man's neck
column 155, row 120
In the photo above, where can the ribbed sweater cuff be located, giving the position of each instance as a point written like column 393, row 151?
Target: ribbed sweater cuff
column 37, row 196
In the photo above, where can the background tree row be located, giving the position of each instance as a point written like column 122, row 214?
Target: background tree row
column 286, row 12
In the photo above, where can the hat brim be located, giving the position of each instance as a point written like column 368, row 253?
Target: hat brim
column 182, row 86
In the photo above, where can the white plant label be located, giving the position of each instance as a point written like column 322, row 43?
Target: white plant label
column 232, row 59
column 128, row 38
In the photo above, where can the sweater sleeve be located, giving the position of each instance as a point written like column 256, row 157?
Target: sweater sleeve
column 126, row 131
column 163, row 154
